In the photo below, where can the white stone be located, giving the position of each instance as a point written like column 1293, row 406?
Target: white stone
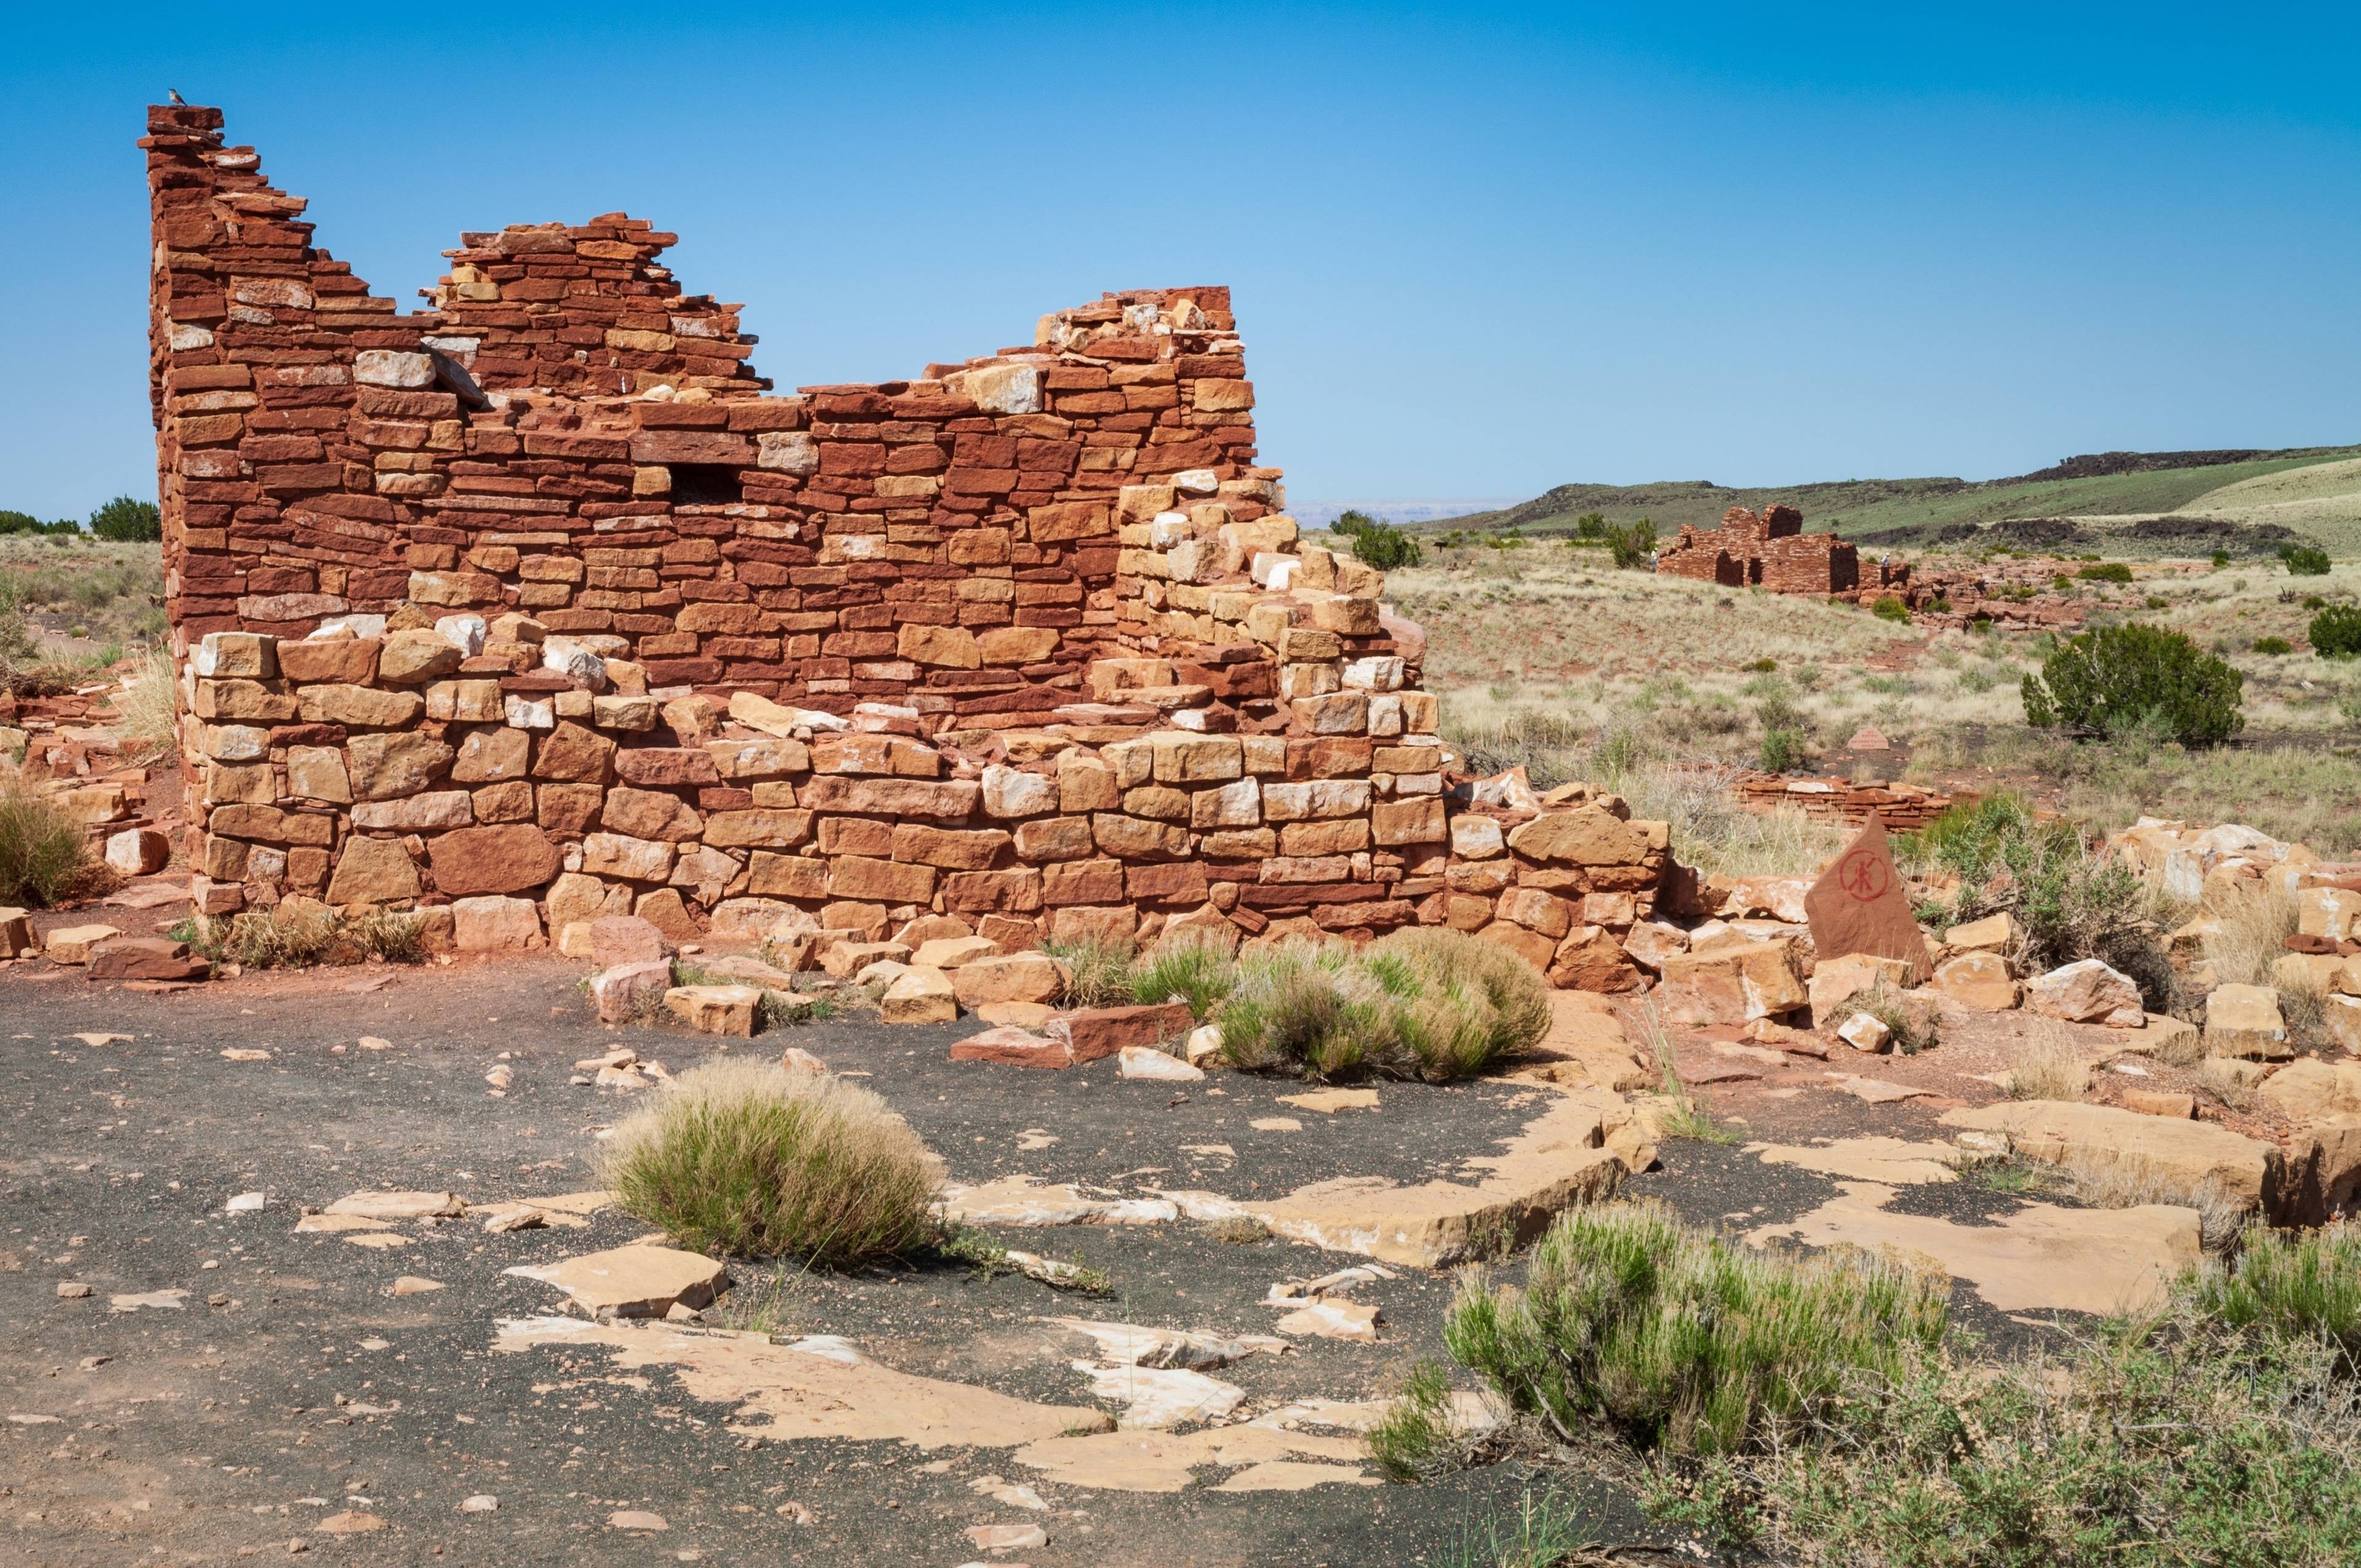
column 464, row 632
column 1865, row 1033
column 394, row 368
column 1145, row 1061
column 1006, row 389
column 1012, row 792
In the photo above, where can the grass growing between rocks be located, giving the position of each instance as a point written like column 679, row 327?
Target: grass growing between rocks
column 1426, row 1003
column 2070, row 902
column 744, row 1159
column 1815, row 1410
column 279, row 939
column 44, row 855
column 1915, row 1026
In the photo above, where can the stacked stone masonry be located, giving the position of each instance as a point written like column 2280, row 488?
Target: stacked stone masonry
column 1768, row 550
column 538, row 604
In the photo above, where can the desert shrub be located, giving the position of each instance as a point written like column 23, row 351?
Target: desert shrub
column 1632, row 545
column 44, row 853
column 1375, row 543
column 2155, row 1442
column 2108, row 679
column 2274, row 647
column 2335, row 631
column 2304, row 560
column 126, row 518
column 2157, row 601
column 1684, row 1342
column 1102, row 971
column 21, row 655
column 2072, row 903
column 1386, row 547
column 2110, row 572
column 743, row 1159
column 1759, row 666
column 1194, row 966
column 1426, row 1002
column 1413, row 1437
column 1890, row 608
column 1590, row 525
column 1783, row 751
column 2302, row 1284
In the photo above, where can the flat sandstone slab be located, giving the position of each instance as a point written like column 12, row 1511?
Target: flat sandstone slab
column 634, row 1281
column 2039, row 1258
column 783, row 1394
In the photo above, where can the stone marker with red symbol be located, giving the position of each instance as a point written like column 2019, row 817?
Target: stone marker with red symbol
column 1861, row 906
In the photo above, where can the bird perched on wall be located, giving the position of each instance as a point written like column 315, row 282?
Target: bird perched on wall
column 174, row 94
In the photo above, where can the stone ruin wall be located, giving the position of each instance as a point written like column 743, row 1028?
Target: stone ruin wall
column 537, row 605
column 1767, row 550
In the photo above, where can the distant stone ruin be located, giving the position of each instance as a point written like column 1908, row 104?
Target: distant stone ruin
column 537, row 605
column 1767, row 550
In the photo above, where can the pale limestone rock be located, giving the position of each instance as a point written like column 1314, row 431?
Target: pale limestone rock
column 2086, row 992
column 2245, row 1021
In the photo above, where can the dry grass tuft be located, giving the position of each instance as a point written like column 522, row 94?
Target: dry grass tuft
column 44, row 854
column 2049, row 1067
column 741, row 1158
column 145, row 719
column 1425, row 1003
column 2255, row 918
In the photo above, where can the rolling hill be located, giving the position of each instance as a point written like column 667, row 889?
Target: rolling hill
column 2246, row 501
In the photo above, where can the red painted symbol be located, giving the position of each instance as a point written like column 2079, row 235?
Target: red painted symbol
column 1865, row 876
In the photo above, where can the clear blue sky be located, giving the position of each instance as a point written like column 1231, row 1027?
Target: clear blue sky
column 1476, row 250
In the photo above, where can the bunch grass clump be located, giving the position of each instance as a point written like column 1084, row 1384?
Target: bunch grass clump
column 1427, row 1003
column 1684, row 1342
column 45, row 856
column 305, row 938
column 740, row 1158
column 1194, row 966
column 1101, row 970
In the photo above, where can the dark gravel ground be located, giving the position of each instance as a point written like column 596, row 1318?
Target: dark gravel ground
column 288, row 1383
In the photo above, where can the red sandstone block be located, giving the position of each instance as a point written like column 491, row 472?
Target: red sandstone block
column 1099, row 1032
column 1018, row 1047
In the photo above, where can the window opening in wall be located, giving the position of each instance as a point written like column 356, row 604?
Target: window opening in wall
column 706, row 485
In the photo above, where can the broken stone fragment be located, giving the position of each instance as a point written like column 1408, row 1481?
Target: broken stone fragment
column 397, row 1205
column 2087, row 991
column 1020, row 1047
column 949, row 953
column 1017, row 977
column 138, row 851
column 72, row 944
column 1100, row 1032
column 1978, row 980
column 1146, row 1062
column 2242, row 1021
column 1836, row 981
column 715, row 1009
column 1865, row 1032
column 1332, row 1320
column 1993, row 934
column 635, row 1281
column 623, row 994
column 146, row 958
column 919, row 995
